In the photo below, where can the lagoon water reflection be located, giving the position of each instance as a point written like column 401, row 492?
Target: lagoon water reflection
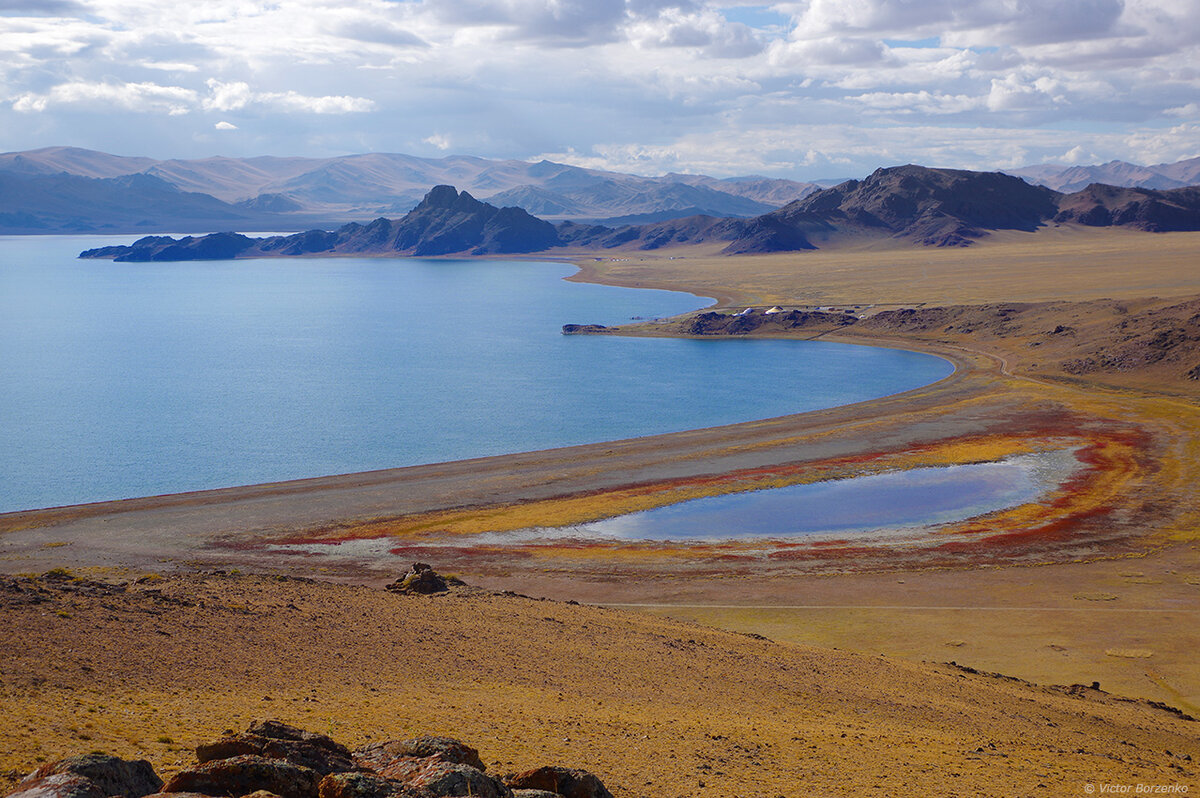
column 892, row 500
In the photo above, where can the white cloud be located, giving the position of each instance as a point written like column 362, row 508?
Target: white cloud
column 169, row 66
column 225, row 126
column 144, row 97
column 237, row 95
column 705, row 30
column 647, row 83
column 1186, row 111
column 328, row 104
column 1016, row 93
column 233, row 96
column 917, row 102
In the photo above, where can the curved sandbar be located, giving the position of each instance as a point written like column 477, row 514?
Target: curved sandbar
column 972, row 414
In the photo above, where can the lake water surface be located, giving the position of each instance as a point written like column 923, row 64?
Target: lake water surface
column 125, row 380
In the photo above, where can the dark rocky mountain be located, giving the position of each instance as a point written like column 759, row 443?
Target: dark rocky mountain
column 446, row 222
column 690, row 230
column 1141, row 208
column 933, row 207
column 915, row 204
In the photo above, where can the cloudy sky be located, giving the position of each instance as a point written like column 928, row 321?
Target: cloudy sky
column 824, row 88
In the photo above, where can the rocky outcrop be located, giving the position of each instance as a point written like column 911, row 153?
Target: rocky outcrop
column 58, row 785
column 566, row 782
column 366, row 785
column 89, row 775
column 423, row 767
column 757, row 321
column 276, row 740
column 584, row 329
column 244, row 774
column 421, row 579
column 380, row 756
column 1140, row 208
column 933, row 207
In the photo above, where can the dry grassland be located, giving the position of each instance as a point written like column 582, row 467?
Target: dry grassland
column 1070, row 263
column 656, row 708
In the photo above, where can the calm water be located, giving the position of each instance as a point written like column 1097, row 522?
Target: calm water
column 892, row 500
column 127, row 380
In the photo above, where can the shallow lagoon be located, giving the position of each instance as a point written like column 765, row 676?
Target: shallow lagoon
column 893, row 500
column 135, row 379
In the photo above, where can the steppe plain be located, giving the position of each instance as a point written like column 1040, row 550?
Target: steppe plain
column 1099, row 581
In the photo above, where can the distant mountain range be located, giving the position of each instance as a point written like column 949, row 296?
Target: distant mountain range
column 67, row 189
column 271, row 193
column 914, row 204
column 1068, row 179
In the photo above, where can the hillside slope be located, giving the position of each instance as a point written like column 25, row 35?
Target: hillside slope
column 933, row 207
column 654, row 707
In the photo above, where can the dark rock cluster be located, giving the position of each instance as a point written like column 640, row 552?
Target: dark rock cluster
column 274, row 760
column 713, row 323
column 421, row 579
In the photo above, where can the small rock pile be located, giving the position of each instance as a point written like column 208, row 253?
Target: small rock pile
column 274, row 760
column 422, row 579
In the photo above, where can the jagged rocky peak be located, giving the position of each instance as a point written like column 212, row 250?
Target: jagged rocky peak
column 450, row 198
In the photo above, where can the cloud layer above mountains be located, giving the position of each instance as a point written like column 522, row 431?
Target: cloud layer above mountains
column 823, row 88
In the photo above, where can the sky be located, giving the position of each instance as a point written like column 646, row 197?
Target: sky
column 804, row 90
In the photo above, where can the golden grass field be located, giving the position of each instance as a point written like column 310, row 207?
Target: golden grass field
column 1072, row 263
column 655, row 707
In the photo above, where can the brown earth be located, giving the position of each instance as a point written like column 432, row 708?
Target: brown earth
column 654, row 707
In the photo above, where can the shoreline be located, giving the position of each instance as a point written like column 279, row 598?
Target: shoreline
column 681, row 441
column 1126, row 534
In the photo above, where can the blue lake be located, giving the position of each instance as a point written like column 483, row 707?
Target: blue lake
column 125, row 380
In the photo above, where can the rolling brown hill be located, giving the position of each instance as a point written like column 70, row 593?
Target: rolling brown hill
column 1140, row 208
column 652, row 706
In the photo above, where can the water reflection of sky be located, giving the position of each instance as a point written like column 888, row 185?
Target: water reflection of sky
column 898, row 499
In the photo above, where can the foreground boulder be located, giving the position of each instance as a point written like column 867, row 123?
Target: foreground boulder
column 440, row 777
column 241, row 775
column 274, row 760
column 87, row 774
column 380, row 756
column 567, row 782
column 422, row 579
column 58, row 785
column 275, row 740
column 367, row 785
